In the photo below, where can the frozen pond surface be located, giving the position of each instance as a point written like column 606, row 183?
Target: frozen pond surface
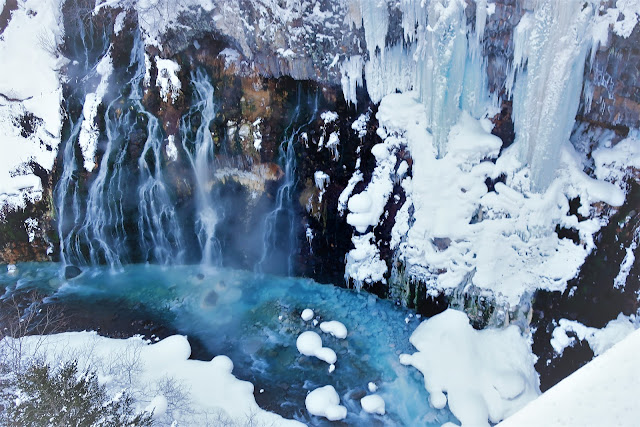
column 255, row 320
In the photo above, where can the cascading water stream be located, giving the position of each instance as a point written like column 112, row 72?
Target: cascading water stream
column 283, row 216
column 101, row 232
column 199, row 147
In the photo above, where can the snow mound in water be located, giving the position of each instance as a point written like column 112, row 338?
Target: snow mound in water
column 307, row 314
column 373, row 404
column 325, row 402
column 310, row 344
column 334, row 328
column 486, row 375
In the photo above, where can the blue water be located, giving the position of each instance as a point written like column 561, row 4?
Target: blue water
column 255, row 320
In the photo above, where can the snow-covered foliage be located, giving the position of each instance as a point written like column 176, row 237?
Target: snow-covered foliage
column 156, row 373
column 487, row 375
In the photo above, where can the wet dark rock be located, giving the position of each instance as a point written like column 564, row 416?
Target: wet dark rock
column 211, row 298
column 71, row 271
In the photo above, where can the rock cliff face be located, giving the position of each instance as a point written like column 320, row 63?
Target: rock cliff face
column 289, row 83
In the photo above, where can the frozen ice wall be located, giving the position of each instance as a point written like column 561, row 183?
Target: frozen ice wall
column 551, row 43
column 439, row 56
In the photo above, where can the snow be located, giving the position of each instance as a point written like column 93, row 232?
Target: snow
column 604, row 392
column 600, row 340
column 487, row 375
column 309, row 343
column 373, row 404
column 325, row 402
column 118, row 24
column 158, row 406
column 363, row 263
column 329, row 117
column 307, row 314
column 167, row 79
column 344, row 197
column 89, row 133
column 630, row 10
column 613, row 163
column 372, row 387
column 171, row 149
column 141, row 367
column 334, row 328
column 456, row 233
column 34, row 89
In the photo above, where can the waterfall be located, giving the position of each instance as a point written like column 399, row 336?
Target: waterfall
column 199, row 147
column 160, row 233
column 282, row 219
column 117, row 201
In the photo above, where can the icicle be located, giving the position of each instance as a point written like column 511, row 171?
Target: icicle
column 351, row 70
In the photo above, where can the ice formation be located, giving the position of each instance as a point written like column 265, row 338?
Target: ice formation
column 487, row 375
column 457, row 233
column 88, row 138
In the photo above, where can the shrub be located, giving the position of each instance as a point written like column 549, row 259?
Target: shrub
column 42, row 396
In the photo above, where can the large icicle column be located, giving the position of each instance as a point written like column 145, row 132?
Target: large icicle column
column 551, row 45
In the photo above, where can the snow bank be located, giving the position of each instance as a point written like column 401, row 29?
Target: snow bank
column 334, row 328
column 604, row 392
column 325, row 402
column 600, row 340
column 30, row 97
column 487, row 375
column 140, row 367
column 309, row 343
